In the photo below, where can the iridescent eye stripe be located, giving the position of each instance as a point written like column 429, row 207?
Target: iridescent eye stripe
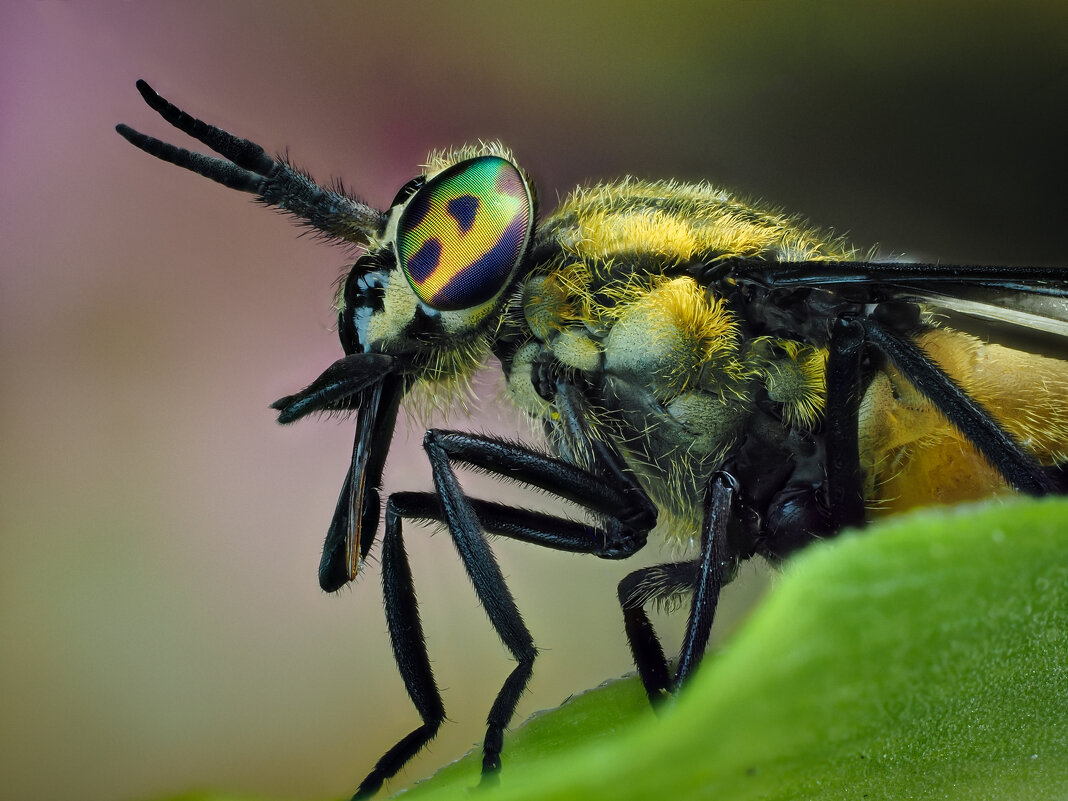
column 463, row 233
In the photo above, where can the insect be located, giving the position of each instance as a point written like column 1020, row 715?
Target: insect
column 704, row 368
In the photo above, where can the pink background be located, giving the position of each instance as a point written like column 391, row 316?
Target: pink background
column 161, row 627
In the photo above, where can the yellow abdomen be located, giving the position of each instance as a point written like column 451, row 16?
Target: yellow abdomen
column 911, row 454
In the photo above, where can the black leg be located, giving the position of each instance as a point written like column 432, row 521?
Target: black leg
column 493, row 594
column 652, row 585
column 602, row 495
column 402, row 614
column 712, row 567
column 618, row 509
column 609, row 491
column 704, row 578
column 617, row 496
column 409, row 651
column 845, row 485
column 823, row 497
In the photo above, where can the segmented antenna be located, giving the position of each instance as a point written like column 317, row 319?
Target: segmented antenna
column 245, row 166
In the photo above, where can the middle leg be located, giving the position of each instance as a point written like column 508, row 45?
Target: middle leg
column 703, row 578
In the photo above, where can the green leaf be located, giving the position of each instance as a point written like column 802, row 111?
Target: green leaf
column 925, row 657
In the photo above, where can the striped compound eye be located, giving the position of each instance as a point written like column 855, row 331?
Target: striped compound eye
column 462, row 234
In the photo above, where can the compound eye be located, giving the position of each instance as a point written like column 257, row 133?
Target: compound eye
column 462, row 234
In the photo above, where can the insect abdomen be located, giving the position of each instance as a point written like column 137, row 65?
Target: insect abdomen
column 914, row 457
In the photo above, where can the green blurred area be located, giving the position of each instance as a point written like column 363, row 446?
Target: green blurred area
column 160, row 623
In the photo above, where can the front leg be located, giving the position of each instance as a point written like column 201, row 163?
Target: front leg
column 493, row 594
column 624, row 516
column 402, row 611
column 610, row 494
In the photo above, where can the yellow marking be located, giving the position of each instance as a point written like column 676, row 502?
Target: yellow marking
column 461, row 249
column 702, row 219
column 798, row 382
column 671, row 336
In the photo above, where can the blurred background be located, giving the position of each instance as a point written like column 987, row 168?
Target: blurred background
column 161, row 626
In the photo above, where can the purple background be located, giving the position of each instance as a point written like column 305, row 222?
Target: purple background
column 161, row 627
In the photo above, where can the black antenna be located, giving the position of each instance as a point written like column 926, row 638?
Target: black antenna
column 245, row 166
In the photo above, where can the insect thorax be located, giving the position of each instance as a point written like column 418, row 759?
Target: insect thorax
column 673, row 368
